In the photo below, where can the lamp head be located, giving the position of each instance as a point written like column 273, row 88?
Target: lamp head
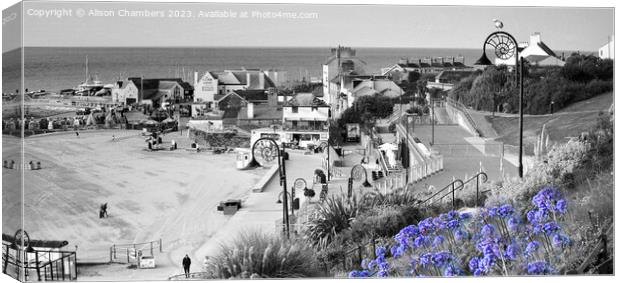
column 484, row 60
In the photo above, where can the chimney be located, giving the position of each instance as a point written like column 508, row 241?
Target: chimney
column 261, row 80
column 250, row 110
column 272, row 98
column 535, row 38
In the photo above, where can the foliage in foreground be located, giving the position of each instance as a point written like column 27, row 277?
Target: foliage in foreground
column 498, row 240
column 260, row 255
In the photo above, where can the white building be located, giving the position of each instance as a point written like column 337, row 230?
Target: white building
column 214, row 85
column 607, row 50
column 535, row 52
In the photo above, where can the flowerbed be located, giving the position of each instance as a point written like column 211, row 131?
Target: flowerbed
column 498, row 240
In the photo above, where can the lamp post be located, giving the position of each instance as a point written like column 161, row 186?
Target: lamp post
column 265, row 151
column 506, row 47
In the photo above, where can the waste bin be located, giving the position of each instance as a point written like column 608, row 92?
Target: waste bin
column 296, row 204
column 147, row 262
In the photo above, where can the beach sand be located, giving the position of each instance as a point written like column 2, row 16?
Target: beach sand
column 170, row 195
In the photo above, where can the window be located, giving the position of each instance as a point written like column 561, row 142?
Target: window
column 295, row 109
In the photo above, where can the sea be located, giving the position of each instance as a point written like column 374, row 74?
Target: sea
column 56, row 68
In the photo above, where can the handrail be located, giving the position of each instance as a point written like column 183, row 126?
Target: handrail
column 477, row 177
column 445, row 188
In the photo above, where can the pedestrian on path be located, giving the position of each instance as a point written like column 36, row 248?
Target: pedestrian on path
column 186, row 263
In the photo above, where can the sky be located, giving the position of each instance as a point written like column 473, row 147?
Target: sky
column 192, row 24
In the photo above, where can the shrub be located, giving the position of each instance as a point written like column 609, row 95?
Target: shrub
column 331, row 217
column 498, row 240
column 261, row 255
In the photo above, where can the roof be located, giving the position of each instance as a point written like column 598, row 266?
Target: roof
column 261, row 112
column 150, row 87
column 318, row 91
column 253, row 95
column 546, row 48
column 52, row 244
column 306, row 100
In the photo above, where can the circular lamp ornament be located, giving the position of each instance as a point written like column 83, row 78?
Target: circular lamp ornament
column 504, row 45
column 299, row 184
column 358, row 173
column 21, row 238
column 265, row 152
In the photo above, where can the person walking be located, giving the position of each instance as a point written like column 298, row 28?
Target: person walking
column 186, row 263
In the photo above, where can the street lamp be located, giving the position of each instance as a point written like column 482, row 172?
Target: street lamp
column 265, row 151
column 358, row 173
column 506, row 47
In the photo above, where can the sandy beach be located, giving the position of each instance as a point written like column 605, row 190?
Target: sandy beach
column 170, row 195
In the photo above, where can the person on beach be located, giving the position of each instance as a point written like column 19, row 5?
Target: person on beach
column 77, row 134
column 186, row 263
column 113, row 138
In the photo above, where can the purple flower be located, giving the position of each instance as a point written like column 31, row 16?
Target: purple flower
column 560, row 241
column 441, row 258
column 479, row 272
column 452, row 270
column 453, row 224
column 372, row 264
column 359, row 274
column 513, row 223
column 551, row 227
column 560, row 206
column 460, row 235
column 382, row 273
column 473, row 263
column 538, row 268
column 492, row 211
column 465, row 215
column 532, row 247
column 438, row 241
column 364, row 263
column 536, row 229
column 486, row 263
column 394, row 250
column 419, row 241
column 506, row 210
column 426, row 259
column 531, row 216
column 453, row 214
column 488, row 230
column 413, row 262
column 511, row 252
column 426, row 226
column 380, row 251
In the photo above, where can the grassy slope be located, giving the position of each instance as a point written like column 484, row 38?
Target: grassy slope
column 568, row 122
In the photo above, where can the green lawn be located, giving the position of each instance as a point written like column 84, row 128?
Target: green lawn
column 568, row 122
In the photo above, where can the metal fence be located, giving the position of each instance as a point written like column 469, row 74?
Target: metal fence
column 39, row 265
column 130, row 253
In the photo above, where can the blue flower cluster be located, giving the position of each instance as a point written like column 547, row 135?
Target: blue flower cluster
column 498, row 240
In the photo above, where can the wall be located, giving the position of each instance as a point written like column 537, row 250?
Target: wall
column 206, row 89
column 227, row 139
column 458, row 117
column 305, row 113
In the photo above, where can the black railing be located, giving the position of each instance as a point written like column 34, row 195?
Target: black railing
column 453, row 186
